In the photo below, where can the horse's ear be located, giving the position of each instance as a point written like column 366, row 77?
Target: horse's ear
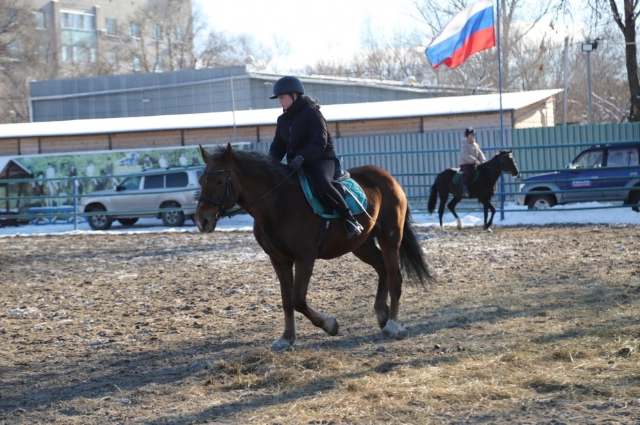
column 227, row 153
column 203, row 153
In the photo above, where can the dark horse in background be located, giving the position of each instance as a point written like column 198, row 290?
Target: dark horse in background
column 287, row 230
column 483, row 188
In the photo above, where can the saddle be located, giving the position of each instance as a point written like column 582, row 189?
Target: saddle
column 353, row 195
column 458, row 177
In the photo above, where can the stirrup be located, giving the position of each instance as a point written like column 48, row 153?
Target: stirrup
column 353, row 228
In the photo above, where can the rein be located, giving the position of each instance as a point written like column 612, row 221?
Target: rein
column 222, row 212
column 502, row 170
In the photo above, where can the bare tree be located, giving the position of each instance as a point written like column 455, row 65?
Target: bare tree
column 626, row 22
column 25, row 54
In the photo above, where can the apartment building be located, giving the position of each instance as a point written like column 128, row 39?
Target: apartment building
column 112, row 36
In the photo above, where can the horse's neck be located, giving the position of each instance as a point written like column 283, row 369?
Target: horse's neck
column 259, row 196
column 492, row 169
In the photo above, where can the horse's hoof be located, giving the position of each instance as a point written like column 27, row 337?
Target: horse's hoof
column 488, row 230
column 331, row 326
column 392, row 330
column 281, row 344
column 402, row 333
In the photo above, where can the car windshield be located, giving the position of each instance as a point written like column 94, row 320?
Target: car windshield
column 589, row 159
column 131, row 183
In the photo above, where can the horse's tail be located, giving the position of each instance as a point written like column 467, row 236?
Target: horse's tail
column 433, row 198
column 411, row 255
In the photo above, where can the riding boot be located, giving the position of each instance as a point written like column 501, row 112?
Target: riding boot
column 353, row 227
column 465, row 191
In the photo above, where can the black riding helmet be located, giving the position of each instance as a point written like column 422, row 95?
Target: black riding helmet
column 287, row 85
column 469, row 131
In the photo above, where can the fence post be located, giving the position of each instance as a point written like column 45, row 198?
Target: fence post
column 75, row 204
column 502, row 197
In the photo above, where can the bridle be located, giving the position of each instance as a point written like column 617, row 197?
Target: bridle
column 501, row 168
column 222, row 212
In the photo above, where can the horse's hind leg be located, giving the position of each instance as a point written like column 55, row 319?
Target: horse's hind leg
column 389, row 239
column 452, row 208
column 370, row 254
column 444, row 195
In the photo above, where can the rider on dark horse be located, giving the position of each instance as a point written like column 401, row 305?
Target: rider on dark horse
column 470, row 157
column 302, row 136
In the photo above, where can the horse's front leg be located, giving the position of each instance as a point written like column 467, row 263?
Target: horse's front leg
column 487, row 206
column 304, row 268
column 284, row 271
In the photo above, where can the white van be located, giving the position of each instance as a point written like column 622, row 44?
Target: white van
column 145, row 195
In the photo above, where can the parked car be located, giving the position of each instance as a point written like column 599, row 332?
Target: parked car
column 600, row 173
column 142, row 195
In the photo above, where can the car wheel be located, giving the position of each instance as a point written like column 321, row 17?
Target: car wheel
column 172, row 218
column 127, row 221
column 99, row 221
column 541, row 202
column 634, row 199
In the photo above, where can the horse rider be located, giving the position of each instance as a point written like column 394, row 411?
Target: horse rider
column 302, row 135
column 470, row 157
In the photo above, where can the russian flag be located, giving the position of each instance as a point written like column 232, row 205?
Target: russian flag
column 469, row 32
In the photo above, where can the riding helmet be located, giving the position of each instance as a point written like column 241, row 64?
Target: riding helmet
column 469, row 131
column 286, row 85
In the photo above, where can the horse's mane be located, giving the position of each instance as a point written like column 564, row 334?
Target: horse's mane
column 494, row 158
column 255, row 164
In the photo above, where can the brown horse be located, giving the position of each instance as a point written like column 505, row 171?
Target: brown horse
column 287, row 230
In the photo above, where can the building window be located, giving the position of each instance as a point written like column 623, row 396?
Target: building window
column 42, row 53
column 134, row 30
column 157, row 32
column 112, row 59
column 111, row 27
column 78, row 36
column 78, row 21
column 137, row 63
column 40, row 24
column 179, row 34
column 157, row 64
column 14, row 51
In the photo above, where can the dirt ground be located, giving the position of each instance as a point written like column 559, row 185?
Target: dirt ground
column 531, row 325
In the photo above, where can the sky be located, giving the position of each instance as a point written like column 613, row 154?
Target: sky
column 318, row 30
column 593, row 213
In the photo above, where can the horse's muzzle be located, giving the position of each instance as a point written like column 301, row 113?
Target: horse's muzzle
column 206, row 225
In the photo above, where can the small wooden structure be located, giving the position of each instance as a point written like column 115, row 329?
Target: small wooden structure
column 10, row 169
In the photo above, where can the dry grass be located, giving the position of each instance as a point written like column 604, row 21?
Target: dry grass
column 522, row 326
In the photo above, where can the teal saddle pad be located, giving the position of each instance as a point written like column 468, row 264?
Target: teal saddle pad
column 457, row 177
column 356, row 199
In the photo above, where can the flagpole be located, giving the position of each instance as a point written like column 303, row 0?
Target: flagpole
column 500, row 76
column 502, row 197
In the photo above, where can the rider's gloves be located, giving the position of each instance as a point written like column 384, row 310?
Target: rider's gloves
column 296, row 163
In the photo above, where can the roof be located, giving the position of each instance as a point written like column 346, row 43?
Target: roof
column 12, row 169
column 342, row 112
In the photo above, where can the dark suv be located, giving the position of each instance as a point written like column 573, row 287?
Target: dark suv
column 601, row 173
column 175, row 191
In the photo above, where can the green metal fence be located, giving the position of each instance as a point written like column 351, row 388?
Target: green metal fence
column 416, row 159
